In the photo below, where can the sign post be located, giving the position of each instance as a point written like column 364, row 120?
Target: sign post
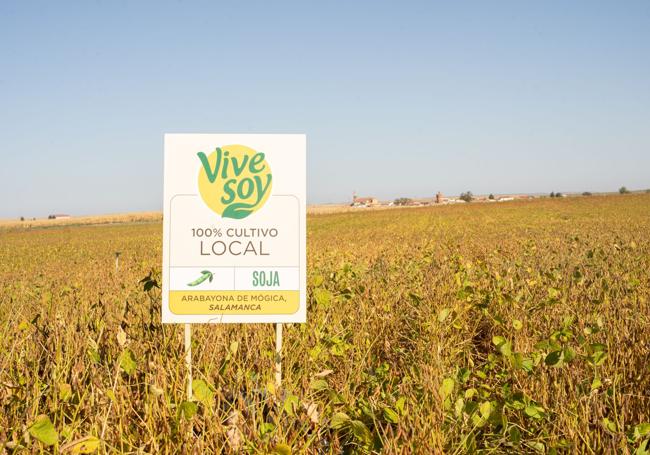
column 234, row 232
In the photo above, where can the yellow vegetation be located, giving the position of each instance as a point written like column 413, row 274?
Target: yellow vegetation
column 518, row 327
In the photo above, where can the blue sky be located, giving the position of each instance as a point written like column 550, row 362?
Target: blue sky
column 396, row 98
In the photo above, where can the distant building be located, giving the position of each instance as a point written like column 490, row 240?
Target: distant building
column 58, row 216
column 512, row 197
column 363, row 201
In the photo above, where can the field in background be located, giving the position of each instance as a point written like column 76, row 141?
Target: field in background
column 522, row 327
column 138, row 217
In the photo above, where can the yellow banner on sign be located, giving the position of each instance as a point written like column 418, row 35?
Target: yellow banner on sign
column 234, row 302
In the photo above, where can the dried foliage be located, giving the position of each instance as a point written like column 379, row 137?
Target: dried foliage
column 518, row 327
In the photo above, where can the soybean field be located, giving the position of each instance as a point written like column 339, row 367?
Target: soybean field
column 521, row 327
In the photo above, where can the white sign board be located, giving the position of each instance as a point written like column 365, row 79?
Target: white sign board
column 234, row 228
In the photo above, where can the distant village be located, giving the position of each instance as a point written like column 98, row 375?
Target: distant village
column 463, row 198
column 370, row 201
column 440, row 199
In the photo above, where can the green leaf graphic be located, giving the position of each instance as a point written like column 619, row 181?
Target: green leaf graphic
column 238, row 210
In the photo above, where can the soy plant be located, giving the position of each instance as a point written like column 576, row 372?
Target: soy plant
column 519, row 328
column 485, row 408
column 491, row 409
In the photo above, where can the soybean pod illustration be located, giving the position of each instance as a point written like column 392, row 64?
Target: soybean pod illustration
column 205, row 275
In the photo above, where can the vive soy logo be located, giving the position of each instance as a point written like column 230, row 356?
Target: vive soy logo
column 234, row 180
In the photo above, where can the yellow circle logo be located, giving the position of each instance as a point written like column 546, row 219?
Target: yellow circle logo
column 234, row 180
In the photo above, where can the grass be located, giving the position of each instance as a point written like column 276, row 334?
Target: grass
column 519, row 327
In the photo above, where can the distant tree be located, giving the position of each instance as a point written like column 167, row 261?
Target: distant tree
column 558, row 194
column 623, row 190
column 647, row 191
column 467, row 197
column 491, row 197
column 586, row 193
column 22, row 218
column 552, row 194
column 402, row 201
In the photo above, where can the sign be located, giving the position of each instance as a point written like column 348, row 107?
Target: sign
column 234, row 228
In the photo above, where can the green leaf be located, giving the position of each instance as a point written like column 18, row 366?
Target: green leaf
column 202, row 391
column 542, row 345
column 339, row 349
column 502, row 345
column 517, row 401
column 534, row 411
column 515, row 435
column 598, row 347
column 485, row 409
column 65, row 391
column 553, row 293
column 390, row 415
column 447, row 387
column 291, row 404
column 470, row 407
column 360, row 431
column 463, row 374
column 319, row 385
column 459, row 406
column 43, row 430
column 597, row 358
column 282, row 449
column 187, row 409
column 568, row 354
column 469, row 393
column 266, row 428
column 644, row 448
column 442, row 315
column 641, row 430
column 522, row 363
column 400, row 405
column 497, row 340
column 128, row 362
column 596, row 383
column 539, row 446
column 609, row 425
column 517, row 324
column 89, row 444
column 553, row 358
column 339, row 420
column 93, row 354
column 322, row 296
